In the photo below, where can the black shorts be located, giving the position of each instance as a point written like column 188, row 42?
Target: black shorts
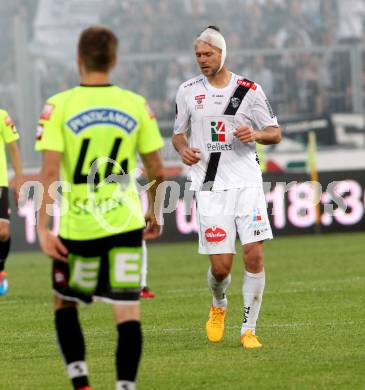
column 4, row 203
column 106, row 268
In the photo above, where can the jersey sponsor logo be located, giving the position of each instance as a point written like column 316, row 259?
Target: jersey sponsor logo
column 218, row 137
column 101, row 116
column 247, row 84
column 47, row 111
column 40, row 129
column 217, row 147
column 218, row 131
column 101, row 206
column 9, row 123
column 215, row 234
column 84, row 273
column 125, row 267
column 199, row 99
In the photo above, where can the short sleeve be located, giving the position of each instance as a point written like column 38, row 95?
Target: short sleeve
column 9, row 131
column 50, row 128
column 261, row 111
column 182, row 118
column 149, row 138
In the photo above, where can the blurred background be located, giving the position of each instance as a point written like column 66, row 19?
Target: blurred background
column 309, row 56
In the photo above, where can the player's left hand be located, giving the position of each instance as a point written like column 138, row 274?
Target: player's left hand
column 245, row 134
column 153, row 229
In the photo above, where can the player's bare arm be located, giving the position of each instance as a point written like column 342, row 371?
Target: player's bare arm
column 189, row 156
column 268, row 136
column 154, row 169
column 50, row 244
column 17, row 166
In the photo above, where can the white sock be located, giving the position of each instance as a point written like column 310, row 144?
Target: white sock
column 144, row 265
column 77, row 369
column 126, row 385
column 253, row 288
column 218, row 289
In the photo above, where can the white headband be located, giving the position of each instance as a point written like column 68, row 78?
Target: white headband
column 214, row 38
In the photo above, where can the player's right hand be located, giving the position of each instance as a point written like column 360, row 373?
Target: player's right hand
column 152, row 230
column 190, row 156
column 17, row 187
column 52, row 246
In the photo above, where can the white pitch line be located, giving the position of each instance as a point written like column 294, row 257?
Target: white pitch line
column 195, row 292
column 310, row 288
column 277, row 325
column 184, row 290
column 328, row 281
column 87, row 332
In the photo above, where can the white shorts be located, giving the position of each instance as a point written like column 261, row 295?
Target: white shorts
column 223, row 214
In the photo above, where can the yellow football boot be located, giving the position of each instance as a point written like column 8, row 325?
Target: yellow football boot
column 215, row 325
column 250, row 340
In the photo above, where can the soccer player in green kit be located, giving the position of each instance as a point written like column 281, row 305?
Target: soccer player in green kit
column 8, row 136
column 91, row 134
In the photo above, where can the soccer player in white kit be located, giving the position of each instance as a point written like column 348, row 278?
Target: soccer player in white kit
column 220, row 108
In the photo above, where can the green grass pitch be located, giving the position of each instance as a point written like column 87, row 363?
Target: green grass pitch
column 312, row 323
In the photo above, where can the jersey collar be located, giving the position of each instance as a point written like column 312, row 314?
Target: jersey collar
column 95, row 85
column 227, row 87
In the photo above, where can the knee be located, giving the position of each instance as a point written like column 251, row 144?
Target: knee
column 220, row 271
column 124, row 313
column 60, row 303
column 4, row 231
column 254, row 258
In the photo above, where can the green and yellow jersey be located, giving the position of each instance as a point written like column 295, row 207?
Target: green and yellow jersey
column 99, row 130
column 8, row 134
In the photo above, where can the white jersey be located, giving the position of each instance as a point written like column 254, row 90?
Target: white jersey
column 212, row 114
